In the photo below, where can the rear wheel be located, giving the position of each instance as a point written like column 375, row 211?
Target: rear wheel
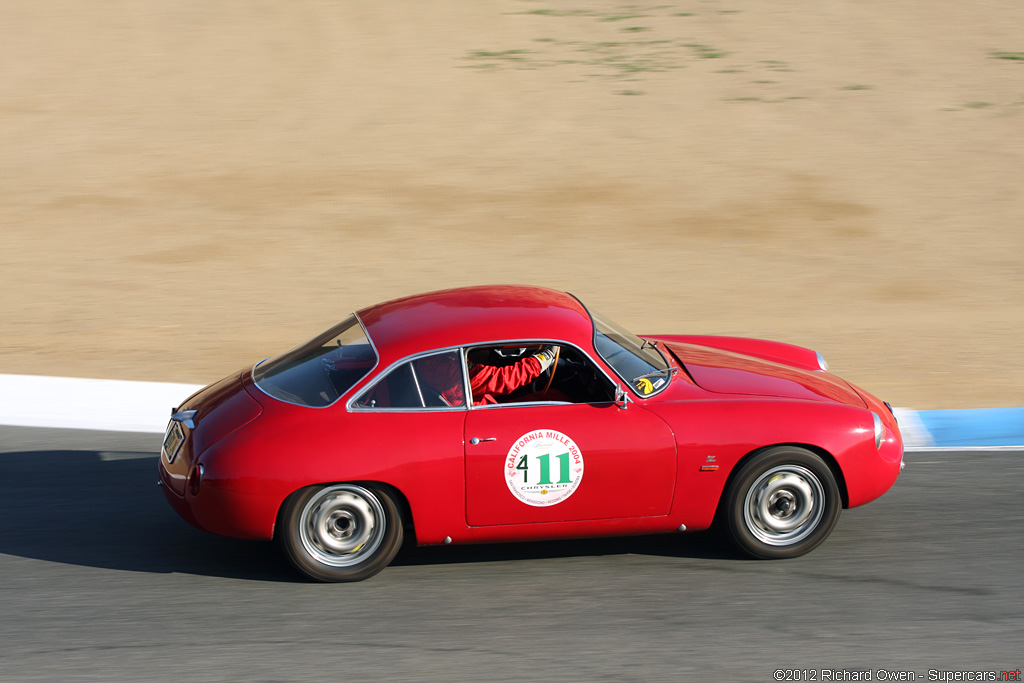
column 783, row 502
column 340, row 532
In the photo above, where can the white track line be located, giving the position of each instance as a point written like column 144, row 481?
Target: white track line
column 915, row 435
column 71, row 402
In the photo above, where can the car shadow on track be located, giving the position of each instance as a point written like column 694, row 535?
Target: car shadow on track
column 103, row 509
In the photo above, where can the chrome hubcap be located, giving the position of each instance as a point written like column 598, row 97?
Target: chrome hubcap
column 342, row 525
column 784, row 505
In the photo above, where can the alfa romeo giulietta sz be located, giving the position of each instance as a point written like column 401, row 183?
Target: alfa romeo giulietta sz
column 509, row 413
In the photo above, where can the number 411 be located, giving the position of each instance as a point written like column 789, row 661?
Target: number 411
column 545, row 468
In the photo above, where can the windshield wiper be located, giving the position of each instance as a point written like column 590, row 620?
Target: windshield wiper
column 648, row 342
column 670, row 370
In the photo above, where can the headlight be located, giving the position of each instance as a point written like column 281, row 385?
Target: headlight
column 879, row 430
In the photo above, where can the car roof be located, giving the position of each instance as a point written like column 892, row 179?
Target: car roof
column 471, row 315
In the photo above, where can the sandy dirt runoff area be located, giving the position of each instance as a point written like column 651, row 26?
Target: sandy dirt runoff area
column 187, row 187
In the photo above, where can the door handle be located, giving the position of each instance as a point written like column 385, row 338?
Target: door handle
column 475, row 440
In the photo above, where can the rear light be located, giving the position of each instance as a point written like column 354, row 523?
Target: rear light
column 195, row 479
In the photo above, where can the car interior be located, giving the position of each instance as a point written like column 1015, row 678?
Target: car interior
column 576, row 379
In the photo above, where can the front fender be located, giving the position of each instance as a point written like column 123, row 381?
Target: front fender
column 713, row 436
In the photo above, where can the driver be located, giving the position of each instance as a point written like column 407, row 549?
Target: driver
column 485, row 381
column 488, row 381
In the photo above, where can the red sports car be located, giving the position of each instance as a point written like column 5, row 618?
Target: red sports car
column 508, row 413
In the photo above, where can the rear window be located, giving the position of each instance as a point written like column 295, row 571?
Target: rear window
column 319, row 372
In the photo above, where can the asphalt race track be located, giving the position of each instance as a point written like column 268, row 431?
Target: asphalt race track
column 101, row 581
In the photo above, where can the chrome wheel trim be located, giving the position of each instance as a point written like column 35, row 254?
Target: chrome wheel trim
column 784, row 505
column 342, row 525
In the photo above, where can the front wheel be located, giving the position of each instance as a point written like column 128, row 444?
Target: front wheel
column 783, row 503
column 340, row 532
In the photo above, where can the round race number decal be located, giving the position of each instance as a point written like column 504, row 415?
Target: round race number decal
column 543, row 467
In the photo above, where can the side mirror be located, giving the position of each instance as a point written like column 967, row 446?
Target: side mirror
column 622, row 399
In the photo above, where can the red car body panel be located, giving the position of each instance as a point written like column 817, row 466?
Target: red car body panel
column 473, row 315
column 779, row 352
column 659, row 463
column 732, row 373
column 630, row 463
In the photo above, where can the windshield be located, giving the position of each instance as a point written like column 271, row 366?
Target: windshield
column 635, row 360
column 318, row 372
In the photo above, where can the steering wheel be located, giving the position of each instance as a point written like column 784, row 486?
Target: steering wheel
column 551, row 378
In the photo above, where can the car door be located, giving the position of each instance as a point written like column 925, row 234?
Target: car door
column 566, row 462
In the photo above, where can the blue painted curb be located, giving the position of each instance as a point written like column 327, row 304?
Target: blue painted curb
column 981, row 428
column 970, row 429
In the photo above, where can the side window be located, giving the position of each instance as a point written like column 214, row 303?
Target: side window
column 428, row 382
column 512, row 374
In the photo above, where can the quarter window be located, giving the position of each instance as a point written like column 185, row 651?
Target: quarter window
column 433, row 381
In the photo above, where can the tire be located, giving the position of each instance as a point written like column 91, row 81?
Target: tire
column 340, row 532
column 782, row 503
